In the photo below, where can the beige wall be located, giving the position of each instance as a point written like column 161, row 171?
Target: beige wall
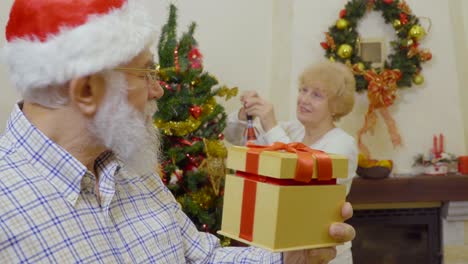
column 265, row 44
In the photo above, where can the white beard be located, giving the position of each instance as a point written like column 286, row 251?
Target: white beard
column 128, row 133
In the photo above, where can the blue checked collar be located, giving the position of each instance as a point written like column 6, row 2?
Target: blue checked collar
column 58, row 166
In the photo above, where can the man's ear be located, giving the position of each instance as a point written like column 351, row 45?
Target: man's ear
column 87, row 93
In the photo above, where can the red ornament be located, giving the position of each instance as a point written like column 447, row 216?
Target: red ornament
column 196, row 139
column 195, row 58
column 388, row 2
column 221, row 136
column 165, row 85
column 403, row 18
column 426, row 56
column 191, row 167
column 324, row 45
column 342, row 13
column 196, row 111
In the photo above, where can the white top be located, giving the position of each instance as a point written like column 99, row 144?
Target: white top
column 335, row 141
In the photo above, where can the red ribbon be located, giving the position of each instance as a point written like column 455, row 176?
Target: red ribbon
column 282, row 182
column 303, row 176
column 305, row 161
column 248, row 210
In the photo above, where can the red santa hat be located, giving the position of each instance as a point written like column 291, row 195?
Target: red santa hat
column 50, row 42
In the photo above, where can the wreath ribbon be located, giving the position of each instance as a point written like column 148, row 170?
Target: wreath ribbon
column 381, row 93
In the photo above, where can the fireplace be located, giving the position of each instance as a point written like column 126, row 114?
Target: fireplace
column 397, row 236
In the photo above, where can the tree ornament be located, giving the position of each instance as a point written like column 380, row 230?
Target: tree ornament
column 214, row 165
column 332, row 59
column 228, row 92
column 196, row 111
column 418, row 79
column 417, row 32
column 342, row 24
column 195, row 58
column 345, row 51
column 176, row 176
column 396, row 24
column 388, row 2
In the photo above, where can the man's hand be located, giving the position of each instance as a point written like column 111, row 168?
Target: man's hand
column 341, row 232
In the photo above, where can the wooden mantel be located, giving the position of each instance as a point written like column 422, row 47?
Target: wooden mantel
column 420, row 188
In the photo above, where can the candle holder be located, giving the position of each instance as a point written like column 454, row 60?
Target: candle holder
column 436, row 161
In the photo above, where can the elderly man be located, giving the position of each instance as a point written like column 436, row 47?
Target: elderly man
column 77, row 157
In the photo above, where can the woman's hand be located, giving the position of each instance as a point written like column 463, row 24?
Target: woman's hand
column 256, row 106
column 340, row 232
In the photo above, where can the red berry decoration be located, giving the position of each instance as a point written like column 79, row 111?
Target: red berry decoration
column 324, row 45
column 342, row 13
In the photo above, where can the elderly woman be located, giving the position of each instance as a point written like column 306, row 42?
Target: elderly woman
column 326, row 93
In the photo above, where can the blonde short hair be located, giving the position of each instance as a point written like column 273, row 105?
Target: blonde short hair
column 338, row 84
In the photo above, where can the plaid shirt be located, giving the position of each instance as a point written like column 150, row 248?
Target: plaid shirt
column 50, row 213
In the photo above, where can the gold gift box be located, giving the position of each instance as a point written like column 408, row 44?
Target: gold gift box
column 285, row 217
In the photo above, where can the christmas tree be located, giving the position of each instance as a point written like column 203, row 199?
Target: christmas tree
column 191, row 123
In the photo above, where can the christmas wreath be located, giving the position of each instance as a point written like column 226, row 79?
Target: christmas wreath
column 401, row 68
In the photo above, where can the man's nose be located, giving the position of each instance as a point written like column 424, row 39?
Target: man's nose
column 155, row 91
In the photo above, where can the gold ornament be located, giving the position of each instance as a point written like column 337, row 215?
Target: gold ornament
column 342, row 23
column 345, row 51
column 417, row 32
column 396, row 24
column 229, row 93
column 204, row 198
column 407, row 42
column 182, row 128
column 214, row 164
column 215, row 148
column 332, row 59
column 165, row 73
column 418, row 79
column 361, row 66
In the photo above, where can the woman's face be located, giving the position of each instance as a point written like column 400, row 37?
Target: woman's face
column 312, row 105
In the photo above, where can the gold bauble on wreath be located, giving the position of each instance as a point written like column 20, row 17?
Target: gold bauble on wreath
column 345, row 51
column 417, row 32
column 342, row 23
column 407, row 42
column 418, row 79
column 396, row 23
column 361, row 66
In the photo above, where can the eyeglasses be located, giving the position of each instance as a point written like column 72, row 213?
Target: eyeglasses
column 151, row 75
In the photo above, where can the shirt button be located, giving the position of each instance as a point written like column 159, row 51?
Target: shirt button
column 86, row 181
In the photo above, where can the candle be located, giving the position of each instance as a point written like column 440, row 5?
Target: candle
column 434, row 147
column 441, row 139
